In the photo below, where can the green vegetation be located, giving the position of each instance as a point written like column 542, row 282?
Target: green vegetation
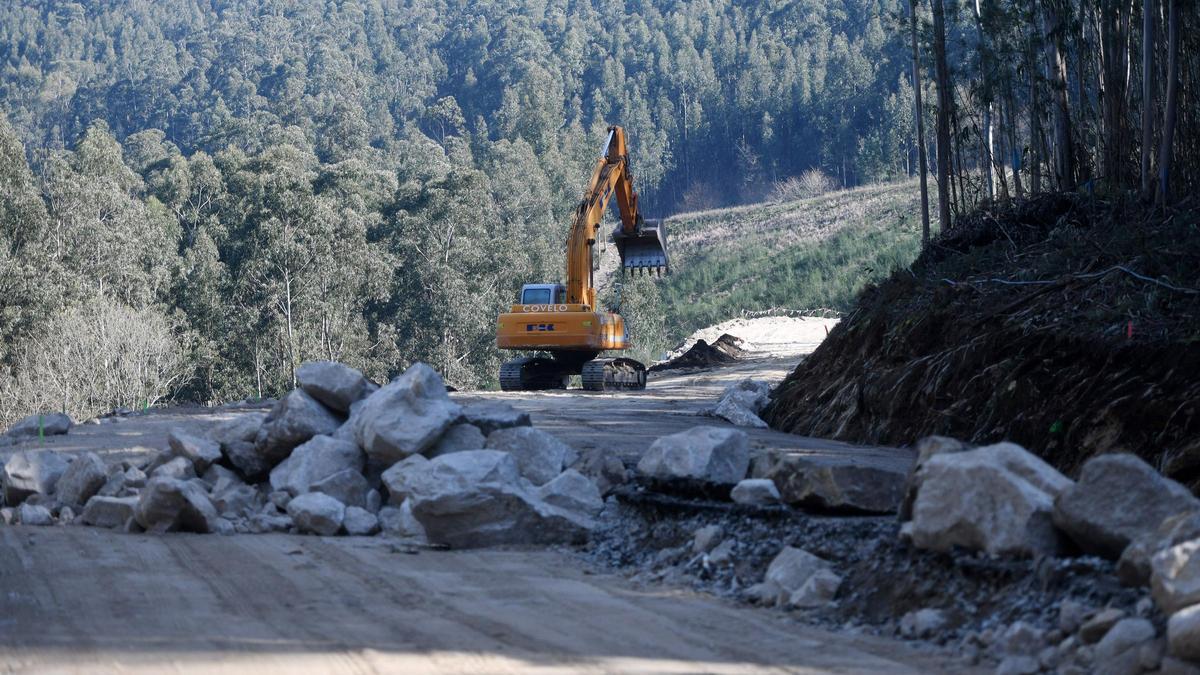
column 808, row 254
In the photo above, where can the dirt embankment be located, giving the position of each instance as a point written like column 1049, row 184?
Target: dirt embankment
column 1068, row 324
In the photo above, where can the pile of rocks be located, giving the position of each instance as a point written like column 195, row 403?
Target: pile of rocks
column 35, row 426
column 1120, row 509
column 339, row 454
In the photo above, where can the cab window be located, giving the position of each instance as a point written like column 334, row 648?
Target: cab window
column 536, row 296
column 562, row 296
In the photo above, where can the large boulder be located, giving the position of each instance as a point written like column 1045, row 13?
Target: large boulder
column 708, row 454
column 603, row 467
column 336, row 385
column 169, row 504
column 201, row 452
column 464, row 436
column 737, row 415
column 34, row 514
column 798, row 578
column 295, row 419
column 1183, row 633
column 109, row 511
column 1118, row 497
column 317, row 513
column 398, row 521
column 831, row 483
column 755, row 492
column 405, row 417
column 1006, row 510
column 490, row 416
column 748, row 396
column 1134, row 568
column 40, row 424
column 236, row 438
column 31, row 472
column 572, row 491
column 347, row 486
column 1175, row 576
column 540, row 456
column 314, row 461
column 241, row 427
column 82, row 479
column 478, row 498
column 926, row 448
column 360, row 522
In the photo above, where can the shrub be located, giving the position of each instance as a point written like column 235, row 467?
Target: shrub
column 811, row 183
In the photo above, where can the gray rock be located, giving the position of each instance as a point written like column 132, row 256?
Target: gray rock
column 396, row 477
column 753, row 395
column 101, row 511
column 792, row 568
column 405, row 417
column 1183, row 634
column 31, row 472
column 82, row 479
column 1117, row 498
column 269, row 522
column 1175, row 576
column 135, row 477
column 1096, row 627
column 114, row 483
column 244, row 456
column 169, row 504
column 1173, row 666
column 710, row 454
column 1018, row 665
column 317, row 513
column 458, row 438
column 830, row 483
column 179, row 468
column 1133, row 568
column 201, row 452
column 706, row 538
column 1071, row 615
column 737, row 415
column 66, row 515
column 279, row 499
column 540, row 456
column 755, row 492
column 818, row 590
column 927, row 447
column 46, row 424
column 478, row 498
column 374, row 501
column 219, row 478
column 1007, row 511
column 294, row 420
column 315, row 461
column 360, row 522
column 347, row 486
column 8, row 515
column 333, row 384
column 572, row 491
column 605, row 469
column 243, row 427
column 1119, row 650
column 29, row 514
column 721, row 555
column 922, row 623
column 398, row 521
column 236, row 501
column 491, row 416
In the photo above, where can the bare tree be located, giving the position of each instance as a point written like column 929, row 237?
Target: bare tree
column 1148, row 10
column 919, row 113
column 943, row 113
column 1052, row 22
column 1172, row 105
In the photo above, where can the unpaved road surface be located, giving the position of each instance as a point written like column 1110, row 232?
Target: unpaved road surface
column 85, row 600
column 88, row 601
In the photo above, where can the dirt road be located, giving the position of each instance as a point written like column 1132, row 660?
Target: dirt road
column 86, row 600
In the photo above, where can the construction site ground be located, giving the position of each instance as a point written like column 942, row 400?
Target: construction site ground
column 87, row 600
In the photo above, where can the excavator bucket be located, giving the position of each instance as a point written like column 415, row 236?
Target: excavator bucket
column 645, row 249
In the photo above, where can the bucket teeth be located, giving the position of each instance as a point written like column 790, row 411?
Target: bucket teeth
column 644, row 250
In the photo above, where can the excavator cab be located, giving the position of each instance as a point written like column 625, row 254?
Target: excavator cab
column 543, row 294
column 645, row 249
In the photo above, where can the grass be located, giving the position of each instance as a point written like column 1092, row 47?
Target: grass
column 807, row 254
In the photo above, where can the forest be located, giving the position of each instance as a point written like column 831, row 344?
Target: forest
column 197, row 196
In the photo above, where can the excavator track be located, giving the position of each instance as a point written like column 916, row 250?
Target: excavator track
column 532, row 373
column 613, row 374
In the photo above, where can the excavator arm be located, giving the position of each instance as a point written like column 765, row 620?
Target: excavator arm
column 641, row 244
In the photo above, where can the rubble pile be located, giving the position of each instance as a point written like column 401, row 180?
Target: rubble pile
column 338, row 455
column 722, row 351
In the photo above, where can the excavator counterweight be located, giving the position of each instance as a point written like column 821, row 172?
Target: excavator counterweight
column 562, row 320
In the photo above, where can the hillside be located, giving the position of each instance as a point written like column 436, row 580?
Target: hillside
column 1064, row 323
column 806, row 254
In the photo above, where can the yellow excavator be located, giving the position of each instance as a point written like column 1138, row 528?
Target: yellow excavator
column 563, row 322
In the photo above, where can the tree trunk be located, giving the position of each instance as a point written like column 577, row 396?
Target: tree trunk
column 943, row 113
column 1148, row 10
column 984, row 78
column 1035, row 125
column 1014, row 150
column 920, row 114
column 1056, row 59
column 1172, row 104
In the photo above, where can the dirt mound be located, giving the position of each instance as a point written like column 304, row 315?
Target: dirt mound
column 726, row 349
column 1065, row 323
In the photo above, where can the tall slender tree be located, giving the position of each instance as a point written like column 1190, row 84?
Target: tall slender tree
column 919, row 114
column 943, row 113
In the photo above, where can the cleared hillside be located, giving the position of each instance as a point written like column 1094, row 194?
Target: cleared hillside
column 806, row 254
